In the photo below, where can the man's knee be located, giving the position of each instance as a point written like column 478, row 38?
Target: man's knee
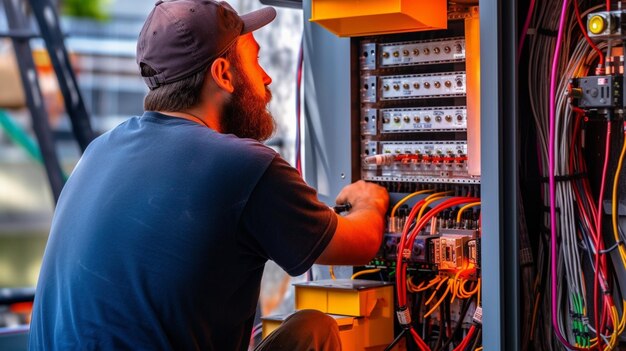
column 305, row 330
column 312, row 319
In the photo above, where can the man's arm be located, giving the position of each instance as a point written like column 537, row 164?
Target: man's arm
column 359, row 233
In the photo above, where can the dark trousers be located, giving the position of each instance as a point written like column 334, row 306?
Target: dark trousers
column 306, row 330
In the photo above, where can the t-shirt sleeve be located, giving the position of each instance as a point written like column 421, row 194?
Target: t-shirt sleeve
column 287, row 220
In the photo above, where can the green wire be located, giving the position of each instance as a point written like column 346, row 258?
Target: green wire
column 19, row 136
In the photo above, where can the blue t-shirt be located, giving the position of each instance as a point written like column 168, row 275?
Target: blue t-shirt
column 160, row 237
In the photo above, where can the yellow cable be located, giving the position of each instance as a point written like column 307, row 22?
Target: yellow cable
column 423, row 209
column 406, row 198
column 613, row 341
column 367, row 271
column 611, row 344
column 441, row 193
column 429, row 285
column 331, row 270
column 452, row 283
column 479, row 349
column 458, row 216
column 436, row 289
column 410, row 285
column 619, row 327
column 456, row 286
column 432, row 198
column 460, row 292
column 614, row 209
column 622, row 323
column 467, row 294
column 445, row 293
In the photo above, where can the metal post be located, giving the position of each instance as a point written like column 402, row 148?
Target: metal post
column 17, row 21
column 48, row 21
column 500, row 248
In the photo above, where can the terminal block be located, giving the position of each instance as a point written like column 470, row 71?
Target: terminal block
column 598, row 91
column 453, row 249
column 453, row 252
column 601, row 96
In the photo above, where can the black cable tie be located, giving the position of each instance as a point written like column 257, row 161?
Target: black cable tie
column 565, row 177
column 547, row 209
column 547, row 32
column 612, row 248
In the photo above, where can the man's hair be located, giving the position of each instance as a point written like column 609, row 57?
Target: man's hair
column 183, row 94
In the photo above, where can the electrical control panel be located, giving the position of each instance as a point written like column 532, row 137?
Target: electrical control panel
column 413, row 124
column 415, row 127
column 413, row 96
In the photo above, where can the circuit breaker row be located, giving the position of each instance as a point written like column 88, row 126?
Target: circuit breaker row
column 413, row 86
column 418, row 161
column 408, row 120
column 412, row 53
column 405, row 92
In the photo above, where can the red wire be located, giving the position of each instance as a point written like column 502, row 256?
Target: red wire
column 466, row 340
column 584, row 30
column 408, row 242
column 401, row 265
column 418, row 340
column 399, row 277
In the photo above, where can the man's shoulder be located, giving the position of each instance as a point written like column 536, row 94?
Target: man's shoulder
column 243, row 145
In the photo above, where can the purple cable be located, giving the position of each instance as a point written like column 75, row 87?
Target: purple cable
column 553, row 261
column 298, row 151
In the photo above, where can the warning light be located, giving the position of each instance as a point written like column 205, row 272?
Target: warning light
column 596, row 24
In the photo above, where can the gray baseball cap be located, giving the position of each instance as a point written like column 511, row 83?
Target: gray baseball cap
column 181, row 37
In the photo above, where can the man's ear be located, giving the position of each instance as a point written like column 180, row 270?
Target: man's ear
column 222, row 74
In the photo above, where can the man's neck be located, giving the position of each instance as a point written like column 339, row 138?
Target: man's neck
column 194, row 118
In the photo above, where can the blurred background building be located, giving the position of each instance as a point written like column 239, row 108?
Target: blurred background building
column 101, row 38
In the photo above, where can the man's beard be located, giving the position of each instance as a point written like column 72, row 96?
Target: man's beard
column 246, row 114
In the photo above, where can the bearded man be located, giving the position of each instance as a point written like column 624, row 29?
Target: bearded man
column 161, row 233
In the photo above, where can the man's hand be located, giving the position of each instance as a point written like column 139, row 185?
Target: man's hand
column 362, row 195
column 359, row 233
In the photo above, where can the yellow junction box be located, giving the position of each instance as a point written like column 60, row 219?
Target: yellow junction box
column 363, row 310
column 368, row 17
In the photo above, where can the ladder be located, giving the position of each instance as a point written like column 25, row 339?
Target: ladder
column 20, row 33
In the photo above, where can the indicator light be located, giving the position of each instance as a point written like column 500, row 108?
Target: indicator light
column 596, row 24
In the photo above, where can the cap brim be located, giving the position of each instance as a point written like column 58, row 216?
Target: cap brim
column 257, row 19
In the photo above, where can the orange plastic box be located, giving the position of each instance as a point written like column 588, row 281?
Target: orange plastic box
column 347, row 18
